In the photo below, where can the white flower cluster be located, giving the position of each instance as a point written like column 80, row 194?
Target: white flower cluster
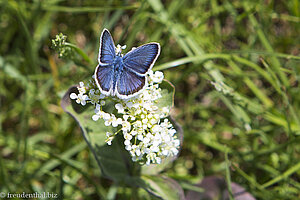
column 148, row 134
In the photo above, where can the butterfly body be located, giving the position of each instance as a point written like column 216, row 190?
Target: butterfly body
column 123, row 76
column 118, row 67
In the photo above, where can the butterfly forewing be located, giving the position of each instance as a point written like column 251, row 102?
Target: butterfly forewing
column 129, row 83
column 107, row 50
column 141, row 59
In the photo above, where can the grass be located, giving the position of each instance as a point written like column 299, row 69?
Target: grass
column 247, row 130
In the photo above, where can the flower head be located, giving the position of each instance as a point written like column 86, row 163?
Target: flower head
column 148, row 135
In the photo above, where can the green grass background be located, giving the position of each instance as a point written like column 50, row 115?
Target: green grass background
column 248, row 49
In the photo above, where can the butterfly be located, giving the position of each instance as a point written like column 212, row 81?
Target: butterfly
column 123, row 76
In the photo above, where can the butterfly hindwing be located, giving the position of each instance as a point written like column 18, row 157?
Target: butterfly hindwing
column 129, row 83
column 141, row 59
column 104, row 78
column 107, row 50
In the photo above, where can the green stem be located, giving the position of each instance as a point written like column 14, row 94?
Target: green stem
column 228, row 178
column 285, row 175
column 80, row 52
column 87, row 9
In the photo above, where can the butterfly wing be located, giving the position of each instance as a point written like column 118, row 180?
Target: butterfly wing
column 142, row 59
column 107, row 50
column 104, row 75
column 129, row 84
column 104, row 71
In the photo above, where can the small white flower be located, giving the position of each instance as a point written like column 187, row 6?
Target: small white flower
column 93, row 97
column 146, row 140
column 98, row 108
column 165, row 152
column 95, row 117
column 154, row 148
column 148, row 161
column 127, row 142
column 158, row 77
column 165, row 110
column 158, row 160
column 116, row 122
column 138, row 124
column 112, row 120
column 99, row 115
column 147, row 106
column 172, row 131
column 119, row 107
column 138, row 152
column 81, row 88
column 145, row 121
column 109, row 140
column 128, row 147
column 129, row 104
column 132, row 118
column 174, row 151
column 156, row 128
column 80, row 98
column 125, row 117
column 108, row 119
column 176, row 143
column 108, row 134
column 153, row 121
column 106, row 116
column 73, row 96
column 126, row 126
column 133, row 133
column 140, row 137
column 127, row 136
column 102, row 102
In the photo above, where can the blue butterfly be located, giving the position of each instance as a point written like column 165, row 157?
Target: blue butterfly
column 123, row 76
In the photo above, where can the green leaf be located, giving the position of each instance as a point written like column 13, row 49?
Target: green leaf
column 167, row 93
column 114, row 161
column 163, row 187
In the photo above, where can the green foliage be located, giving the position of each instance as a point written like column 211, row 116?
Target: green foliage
column 235, row 66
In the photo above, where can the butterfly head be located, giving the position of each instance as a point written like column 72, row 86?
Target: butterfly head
column 119, row 49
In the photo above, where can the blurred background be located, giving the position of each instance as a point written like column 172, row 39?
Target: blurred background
column 235, row 66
